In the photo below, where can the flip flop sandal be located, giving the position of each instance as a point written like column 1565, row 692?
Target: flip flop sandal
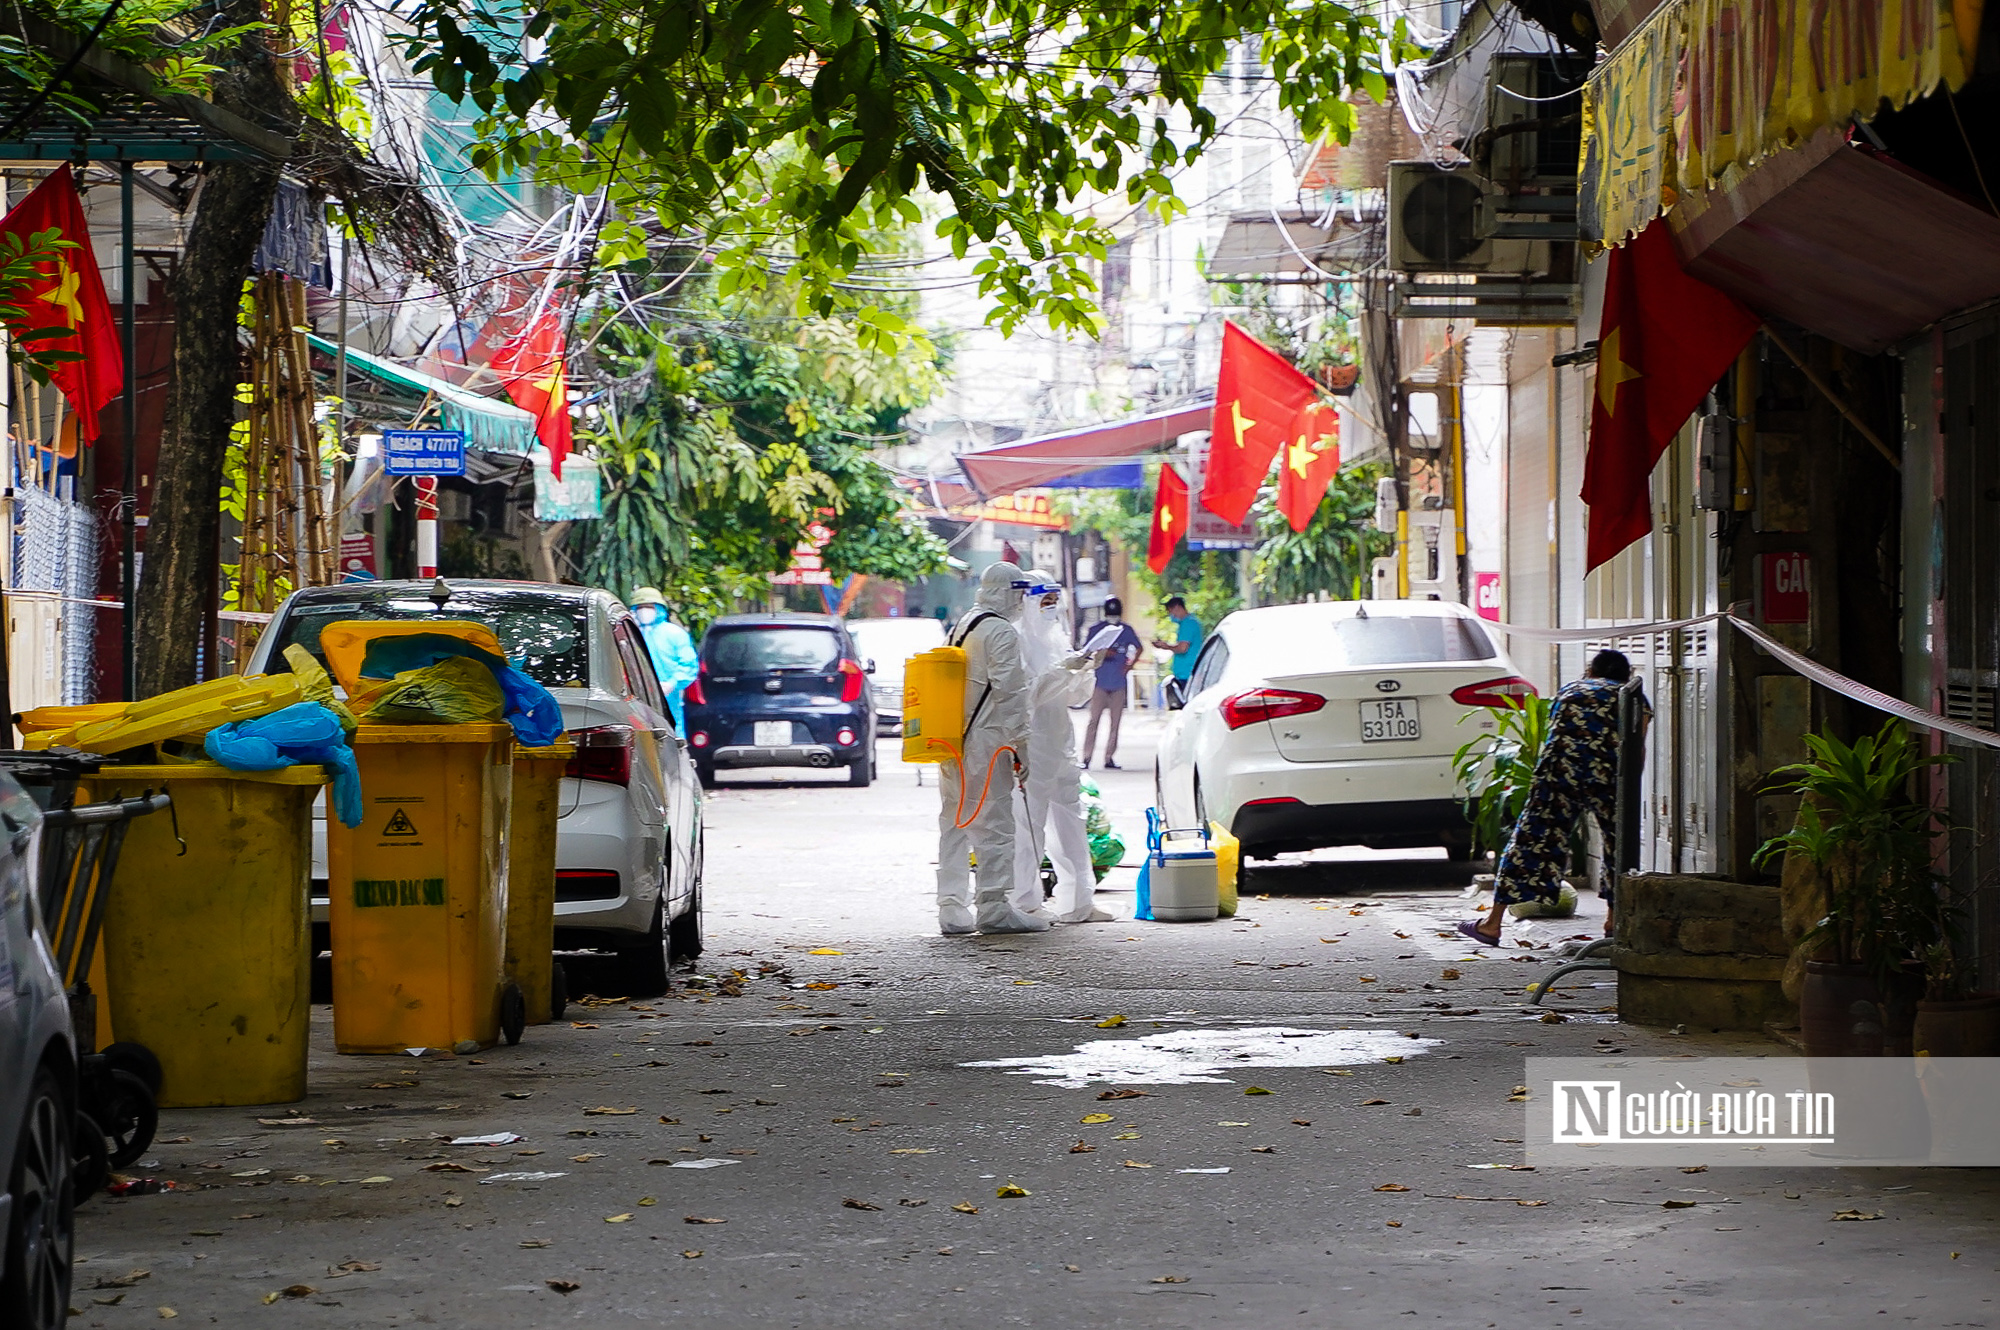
column 1471, row 929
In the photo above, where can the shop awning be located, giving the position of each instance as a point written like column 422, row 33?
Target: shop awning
column 488, row 423
column 1045, row 462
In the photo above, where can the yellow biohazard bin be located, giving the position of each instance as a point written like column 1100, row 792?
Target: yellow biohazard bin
column 417, row 894
column 1228, row 866
column 205, row 937
column 531, row 878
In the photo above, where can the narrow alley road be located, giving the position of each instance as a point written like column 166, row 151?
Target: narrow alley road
column 1303, row 1118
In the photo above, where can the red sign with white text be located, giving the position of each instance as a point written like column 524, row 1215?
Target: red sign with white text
column 1486, row 596
column 357, row 554
column 1786, row 585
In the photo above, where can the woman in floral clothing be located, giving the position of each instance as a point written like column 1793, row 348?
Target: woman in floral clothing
column 1575, row 776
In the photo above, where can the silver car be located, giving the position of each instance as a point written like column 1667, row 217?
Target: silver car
column 37, row 1090
column 629, row 843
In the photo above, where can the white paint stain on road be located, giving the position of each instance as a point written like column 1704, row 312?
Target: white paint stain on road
column 1191, row 1057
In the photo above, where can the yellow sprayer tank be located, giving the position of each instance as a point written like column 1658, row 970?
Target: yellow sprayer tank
column 934, row 705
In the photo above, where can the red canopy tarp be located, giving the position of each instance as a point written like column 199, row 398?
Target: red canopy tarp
column 1035, row 463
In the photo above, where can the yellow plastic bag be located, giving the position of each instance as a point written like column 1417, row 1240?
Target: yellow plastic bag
column 459, row 691
column 1228, row 863
column 318, row 684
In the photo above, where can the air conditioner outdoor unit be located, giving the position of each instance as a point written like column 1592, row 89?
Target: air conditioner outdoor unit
column 1437, row 224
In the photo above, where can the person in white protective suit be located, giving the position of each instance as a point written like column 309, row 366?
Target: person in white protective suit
column 1052, row 813
column 980, row 792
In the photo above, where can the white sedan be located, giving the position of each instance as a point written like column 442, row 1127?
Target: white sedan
column 1306, row 726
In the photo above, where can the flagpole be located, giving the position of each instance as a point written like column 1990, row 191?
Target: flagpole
column 129, row 500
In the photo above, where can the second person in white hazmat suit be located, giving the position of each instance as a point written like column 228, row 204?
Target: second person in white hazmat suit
column 1058, row 679
column 980, row 792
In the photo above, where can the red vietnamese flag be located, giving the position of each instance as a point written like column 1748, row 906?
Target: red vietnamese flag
column 1257, row 396
column 531, row 365
column 1665, row 339
column 68, row 293
column 1308, row 463
column 1170, row 519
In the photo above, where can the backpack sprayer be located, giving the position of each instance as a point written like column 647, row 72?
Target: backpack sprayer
column 934, row 719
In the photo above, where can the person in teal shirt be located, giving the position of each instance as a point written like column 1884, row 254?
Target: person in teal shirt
column 1187, row 638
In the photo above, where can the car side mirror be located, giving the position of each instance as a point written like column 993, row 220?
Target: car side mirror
column 1176, row 694
column 870, row 669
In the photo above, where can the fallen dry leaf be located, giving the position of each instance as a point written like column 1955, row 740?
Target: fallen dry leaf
column 1082, row 1148
column 1392, row 1186
column 701, row 1219
column 167, row 1313
column 1370, row 1103
column 692, row 1254
column 298, row 1290
column 1255, row 1089
column 1395, row 1223
column 563, row 1286
column 1092, row 1119
column 606, row 1111
column 533, row 1243
column 966, row 1208
column 1263, row 1149
column 826, row 951
column 1695, row 1168
column 357, row 1267
column 1133, row 1163
column 1111, row 1022
column 853, row 1204
column 1300, row 1122
column 1857, row 1214
column 618, row 1219
column 1170, row 1279
column 1678, row 1205
column 578, row 1025
column 1448, row 974
column 448, row 1166
column 1122, row 1094
column 912, row 1202
column 912, row 1150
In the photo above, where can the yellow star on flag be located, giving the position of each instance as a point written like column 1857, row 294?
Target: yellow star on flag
column 1612, row 371
column 1243, row 422
column 1299, row 455
column 557, row 389
column 63, row 294
column 1166, row 518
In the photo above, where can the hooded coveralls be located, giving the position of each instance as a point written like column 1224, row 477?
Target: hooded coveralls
column 1053, row 824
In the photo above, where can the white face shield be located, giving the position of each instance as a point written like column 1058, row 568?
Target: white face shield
column 1044, row 627
column 997, row 591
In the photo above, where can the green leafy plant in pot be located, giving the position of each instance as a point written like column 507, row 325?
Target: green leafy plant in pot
column 1868, row 840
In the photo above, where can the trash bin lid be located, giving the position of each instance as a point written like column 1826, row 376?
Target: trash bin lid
column 171, row 771
column 346, row 642
column 562, row 750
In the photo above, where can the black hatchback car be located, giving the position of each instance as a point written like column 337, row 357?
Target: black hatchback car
column 781, row 690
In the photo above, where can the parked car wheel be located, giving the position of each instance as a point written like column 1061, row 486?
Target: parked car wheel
column 861, row 771
column 34, row 1294
column 645, row 965
column 1458, row 848
column 684, row 939
column 706, row 774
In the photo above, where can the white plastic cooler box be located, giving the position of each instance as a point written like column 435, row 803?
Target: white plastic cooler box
column 1182, row 873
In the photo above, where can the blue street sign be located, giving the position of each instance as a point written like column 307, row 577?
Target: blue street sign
column 423, row 452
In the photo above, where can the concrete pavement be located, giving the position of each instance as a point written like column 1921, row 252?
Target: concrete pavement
column 813, row 1089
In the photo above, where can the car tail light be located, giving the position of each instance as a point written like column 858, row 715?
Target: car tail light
column 851, row 685
column 1512, row 691
column 699, row 738
column 1267, row 704
column 1274, row 799
column 694, row 693
column 603, row 752
column 844, row 738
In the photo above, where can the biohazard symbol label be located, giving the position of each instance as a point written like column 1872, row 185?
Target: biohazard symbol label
column 400, row 825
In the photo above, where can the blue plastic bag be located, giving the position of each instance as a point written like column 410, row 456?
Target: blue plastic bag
column 531, row 709
column 303, row 733
column 1143, row 907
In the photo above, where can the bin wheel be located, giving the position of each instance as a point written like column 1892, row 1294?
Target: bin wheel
column 558, row 991
column 130, row 1116
column 513, row 1013
column 91, row 1162
column 139, row 1060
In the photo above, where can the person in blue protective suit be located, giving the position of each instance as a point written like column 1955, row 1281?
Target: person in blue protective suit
column 674, row 658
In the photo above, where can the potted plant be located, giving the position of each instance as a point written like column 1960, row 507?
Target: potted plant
column 1952, row 1020
column 1869, row 841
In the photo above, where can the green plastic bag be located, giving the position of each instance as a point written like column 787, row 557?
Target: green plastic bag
column 1107, row 850
column 456, row 691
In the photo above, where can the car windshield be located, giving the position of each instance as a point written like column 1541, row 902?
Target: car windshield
column 1398, row 640
column 543, row 634
column 750, row 650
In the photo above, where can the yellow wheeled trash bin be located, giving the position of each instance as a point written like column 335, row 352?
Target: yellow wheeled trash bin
column 531, row 879
column 205, row 936
column 417, row 894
